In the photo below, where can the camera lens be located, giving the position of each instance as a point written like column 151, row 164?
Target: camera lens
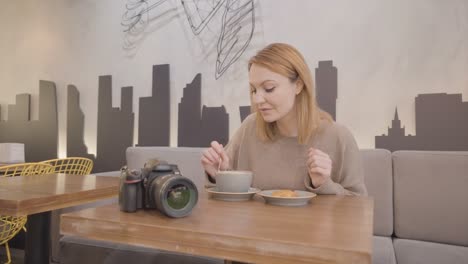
column 178, row 196
column 174, row 195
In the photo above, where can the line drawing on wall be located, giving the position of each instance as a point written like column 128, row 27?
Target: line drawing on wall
column 234, row 34
column 236, row 30
column 199, row 13
column 137, row 14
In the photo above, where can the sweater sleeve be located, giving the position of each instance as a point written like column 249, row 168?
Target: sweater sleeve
column 350, row 178
column 233, row 146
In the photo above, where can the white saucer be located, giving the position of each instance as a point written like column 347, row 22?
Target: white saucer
column 231, row 197
column 302, row 199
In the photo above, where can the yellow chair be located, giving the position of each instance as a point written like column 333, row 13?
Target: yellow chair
column 71, row 165
column 11, row 225
column 25, row 169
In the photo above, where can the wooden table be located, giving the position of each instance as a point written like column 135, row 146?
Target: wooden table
column 37, row 195
column 332, row 229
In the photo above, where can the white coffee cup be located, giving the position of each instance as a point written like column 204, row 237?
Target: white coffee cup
column 233, row 181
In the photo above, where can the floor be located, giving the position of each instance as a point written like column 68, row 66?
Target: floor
column 17, row 255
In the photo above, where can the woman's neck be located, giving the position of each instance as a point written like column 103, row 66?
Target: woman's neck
column 287, row 126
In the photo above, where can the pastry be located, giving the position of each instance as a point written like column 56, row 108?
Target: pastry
column 284, row 193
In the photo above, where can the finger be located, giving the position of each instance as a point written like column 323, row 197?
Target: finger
column 324, row 167
column 206, row 161
column 320, row 171
column 224, row 155
column 314, row 151
column 208, row 166
column 318, row 158
column 209, row 155
column 206, row 154
column 217, row 147
column 214, row 154
column 323, row 155
column 322, row 161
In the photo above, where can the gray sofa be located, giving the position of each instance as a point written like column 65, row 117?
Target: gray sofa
column 420, row 209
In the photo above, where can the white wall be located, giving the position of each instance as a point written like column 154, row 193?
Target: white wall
column 386, row 53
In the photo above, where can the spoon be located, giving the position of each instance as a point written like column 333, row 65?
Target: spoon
column 219, row 164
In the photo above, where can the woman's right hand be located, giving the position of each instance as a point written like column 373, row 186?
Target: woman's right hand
column 211, row 157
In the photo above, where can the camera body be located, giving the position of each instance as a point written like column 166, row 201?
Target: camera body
column 158, row 185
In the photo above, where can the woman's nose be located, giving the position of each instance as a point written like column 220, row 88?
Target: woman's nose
column 258, row 98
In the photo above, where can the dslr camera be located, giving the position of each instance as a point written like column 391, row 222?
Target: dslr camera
column 158, row 185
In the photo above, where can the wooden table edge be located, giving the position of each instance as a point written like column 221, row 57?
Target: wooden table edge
column 77, row 225
column 54, row 205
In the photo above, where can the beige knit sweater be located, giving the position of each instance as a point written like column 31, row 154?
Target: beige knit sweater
column 281, row 164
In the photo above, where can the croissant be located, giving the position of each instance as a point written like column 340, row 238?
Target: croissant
column 284, row 193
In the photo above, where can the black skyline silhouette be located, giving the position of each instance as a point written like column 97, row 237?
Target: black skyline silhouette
column 326, row 84
column 40, row 137
column 214, row 125
column 244, row 112
column 197, row 126
column 75, row 126
column 441, row 121
column 115, row 127
column 441, row 124
column 154, row 112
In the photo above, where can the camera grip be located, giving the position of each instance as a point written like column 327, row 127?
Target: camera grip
column 128, row 201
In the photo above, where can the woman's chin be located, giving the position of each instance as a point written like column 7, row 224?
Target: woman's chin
column 268, row 119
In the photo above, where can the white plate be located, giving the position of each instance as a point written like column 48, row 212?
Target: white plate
column 302, row 199
column 231, row 197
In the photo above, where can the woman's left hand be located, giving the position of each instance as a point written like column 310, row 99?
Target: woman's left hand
column 319, row 166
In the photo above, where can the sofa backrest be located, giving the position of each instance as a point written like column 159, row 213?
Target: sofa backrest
column 431, row 196
column 377, row 164
column 188, row 160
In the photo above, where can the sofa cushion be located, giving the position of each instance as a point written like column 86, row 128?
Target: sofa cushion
column 419, row 252
column 188, row 160
column 382, row 250
column 377, row 165
column 430, row 196
column 377, row 170
column 75, row 250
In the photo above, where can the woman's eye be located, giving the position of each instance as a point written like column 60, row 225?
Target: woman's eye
column 269, row 89
column 253, row 91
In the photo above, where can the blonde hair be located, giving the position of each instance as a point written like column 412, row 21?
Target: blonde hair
column 286, row 60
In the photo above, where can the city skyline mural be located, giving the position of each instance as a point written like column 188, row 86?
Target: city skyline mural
column 441, row 120
column 40, row 137
column 441, row 124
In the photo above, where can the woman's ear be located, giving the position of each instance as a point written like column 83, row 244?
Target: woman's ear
column 299, row 86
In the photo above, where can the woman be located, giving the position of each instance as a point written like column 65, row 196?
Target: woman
column 289, row 142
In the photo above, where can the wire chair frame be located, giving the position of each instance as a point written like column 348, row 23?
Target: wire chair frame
column 11, row 225
column 25, row 169
column 71, row 165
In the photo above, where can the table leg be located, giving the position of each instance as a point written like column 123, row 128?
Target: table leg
column 37, row 238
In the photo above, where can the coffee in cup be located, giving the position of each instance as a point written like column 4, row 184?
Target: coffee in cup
column 233, row 181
